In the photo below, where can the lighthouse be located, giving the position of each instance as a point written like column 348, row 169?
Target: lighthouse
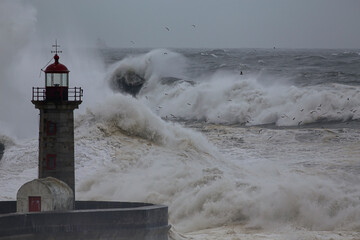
column 56, row 102
column 45, row 208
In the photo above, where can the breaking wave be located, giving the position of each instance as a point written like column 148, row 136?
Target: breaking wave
column 125, row 152
column 227, row 98
column 132, row 73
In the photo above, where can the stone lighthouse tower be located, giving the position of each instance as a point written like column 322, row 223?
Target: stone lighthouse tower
column 56, row 102
column 54, row 189
column 45, row 208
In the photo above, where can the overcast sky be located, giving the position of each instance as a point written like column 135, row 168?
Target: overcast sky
column 218, row 23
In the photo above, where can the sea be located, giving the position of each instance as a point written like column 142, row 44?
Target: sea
column 238, row 143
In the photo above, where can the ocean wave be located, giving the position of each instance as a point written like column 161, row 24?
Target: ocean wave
column 225, row 98
column 125, row 152
column 120, row 114
column 5, row 142
column 132, row 73
column 310, row 58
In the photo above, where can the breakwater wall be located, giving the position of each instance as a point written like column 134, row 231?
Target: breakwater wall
column 90, row 220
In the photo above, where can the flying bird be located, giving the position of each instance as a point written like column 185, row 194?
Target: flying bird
column 167, row 28
column 193, row 25
column 132, row 42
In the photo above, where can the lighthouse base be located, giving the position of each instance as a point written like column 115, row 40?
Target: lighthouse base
column 90, row 220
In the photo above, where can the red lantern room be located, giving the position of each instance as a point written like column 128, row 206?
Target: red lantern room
column 57, row 81
column 57, row 74
column 56, row 84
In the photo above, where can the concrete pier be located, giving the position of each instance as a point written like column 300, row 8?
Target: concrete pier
column 89, row 221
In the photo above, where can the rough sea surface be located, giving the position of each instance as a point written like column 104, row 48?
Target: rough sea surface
column 272, row 153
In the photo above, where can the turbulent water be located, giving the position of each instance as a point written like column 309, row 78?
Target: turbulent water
column 272, row 153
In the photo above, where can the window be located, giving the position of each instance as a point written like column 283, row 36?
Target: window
column 50, row 128
column 51, row 161
column 57, row 79
column 35, row 204
column 49, row 79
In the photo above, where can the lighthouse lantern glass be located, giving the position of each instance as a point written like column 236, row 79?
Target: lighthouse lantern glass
column 57, row 79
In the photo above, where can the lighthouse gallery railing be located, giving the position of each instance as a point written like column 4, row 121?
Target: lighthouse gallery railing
column 74, row 94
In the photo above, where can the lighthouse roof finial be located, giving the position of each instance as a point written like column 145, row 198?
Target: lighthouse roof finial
column 56, row 57
column 56, row 48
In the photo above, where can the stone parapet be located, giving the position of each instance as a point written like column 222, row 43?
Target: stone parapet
column 90, row 220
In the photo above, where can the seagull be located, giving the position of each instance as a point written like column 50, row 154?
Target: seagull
column 167, row 28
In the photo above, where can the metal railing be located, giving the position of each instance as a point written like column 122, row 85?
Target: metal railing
column 73, row 94
column 38, row 94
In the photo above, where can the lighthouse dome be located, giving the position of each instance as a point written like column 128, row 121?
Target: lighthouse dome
column 56, row 67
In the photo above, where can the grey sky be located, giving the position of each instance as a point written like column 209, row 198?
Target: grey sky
column 218, row 23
